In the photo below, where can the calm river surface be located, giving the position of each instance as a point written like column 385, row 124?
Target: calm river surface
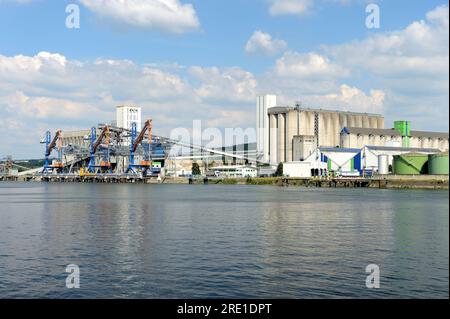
column 181, row 241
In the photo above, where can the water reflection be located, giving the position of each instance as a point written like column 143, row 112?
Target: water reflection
column 176, row 241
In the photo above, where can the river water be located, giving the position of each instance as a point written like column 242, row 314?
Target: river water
column 186, row 241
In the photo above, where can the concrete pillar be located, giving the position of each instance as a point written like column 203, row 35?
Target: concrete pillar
column 343, row 120
column 351, row 120
column 273, row 138
column 359, row 121
column 365, row 121
column 337, row 128
column 307, row 123
column 326, row 129
column 291, row 130
column 281, row 136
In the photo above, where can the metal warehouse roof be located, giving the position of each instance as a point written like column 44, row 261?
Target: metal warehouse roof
column 339, row 150
column 285, row 109
column 392, row 132
column 403, row 149
column 429, row 134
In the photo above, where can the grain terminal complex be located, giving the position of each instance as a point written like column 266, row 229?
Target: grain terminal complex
column 318, row 140
column 310, row 142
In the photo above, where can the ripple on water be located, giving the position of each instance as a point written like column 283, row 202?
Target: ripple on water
column 179, row 241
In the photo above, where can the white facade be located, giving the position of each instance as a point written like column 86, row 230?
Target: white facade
column 303, row 147
column 126, row 115
column 263, row 103
column 297, row 169
column 336, row 159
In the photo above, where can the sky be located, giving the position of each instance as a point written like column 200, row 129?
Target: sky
column 185, row 60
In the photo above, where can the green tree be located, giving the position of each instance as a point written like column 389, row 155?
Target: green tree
column 196, row 169
column 279, row 171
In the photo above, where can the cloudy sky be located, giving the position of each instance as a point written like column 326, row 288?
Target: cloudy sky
column 208, row 59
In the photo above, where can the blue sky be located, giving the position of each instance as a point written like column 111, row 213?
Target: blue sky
column 225, row 28
column 208, row 60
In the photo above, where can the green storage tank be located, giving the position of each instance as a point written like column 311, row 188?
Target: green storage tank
column 438, row 164
column 411, row 164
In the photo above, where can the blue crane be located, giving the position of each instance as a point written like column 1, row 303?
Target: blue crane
column 105, row 165
column 135, row 141
column 50, row 145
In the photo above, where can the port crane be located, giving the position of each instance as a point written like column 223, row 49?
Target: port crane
column 96, row 142
column 50, row 145
column 136, row 139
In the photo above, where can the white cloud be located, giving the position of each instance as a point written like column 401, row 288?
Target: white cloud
column 422, row 48
column 349, row 99
column 263, row 43
column 50, row 91
column 233, row 85
column 164, row 15
column 403, row 74
column 290, row 7
column 412, row 65
column 43, row 108
column 309, row 65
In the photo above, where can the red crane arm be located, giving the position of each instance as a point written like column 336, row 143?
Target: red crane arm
column 105, row 133
column 147, row 127
column 52, row 145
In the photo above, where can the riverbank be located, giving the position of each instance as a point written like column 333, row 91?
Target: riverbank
column 388, row 182
column 384, row 182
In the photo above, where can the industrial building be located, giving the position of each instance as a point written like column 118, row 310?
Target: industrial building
column 127, row 146
column 310, row 142
column 126, row 115
column 360, row 137
column 289, row 124
column 239, row 171
column 368, row 161
column 317, row 142
column 287, row 134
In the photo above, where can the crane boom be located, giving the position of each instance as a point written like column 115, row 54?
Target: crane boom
column 52, row 145
column 147, row 127
column 104, row 134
